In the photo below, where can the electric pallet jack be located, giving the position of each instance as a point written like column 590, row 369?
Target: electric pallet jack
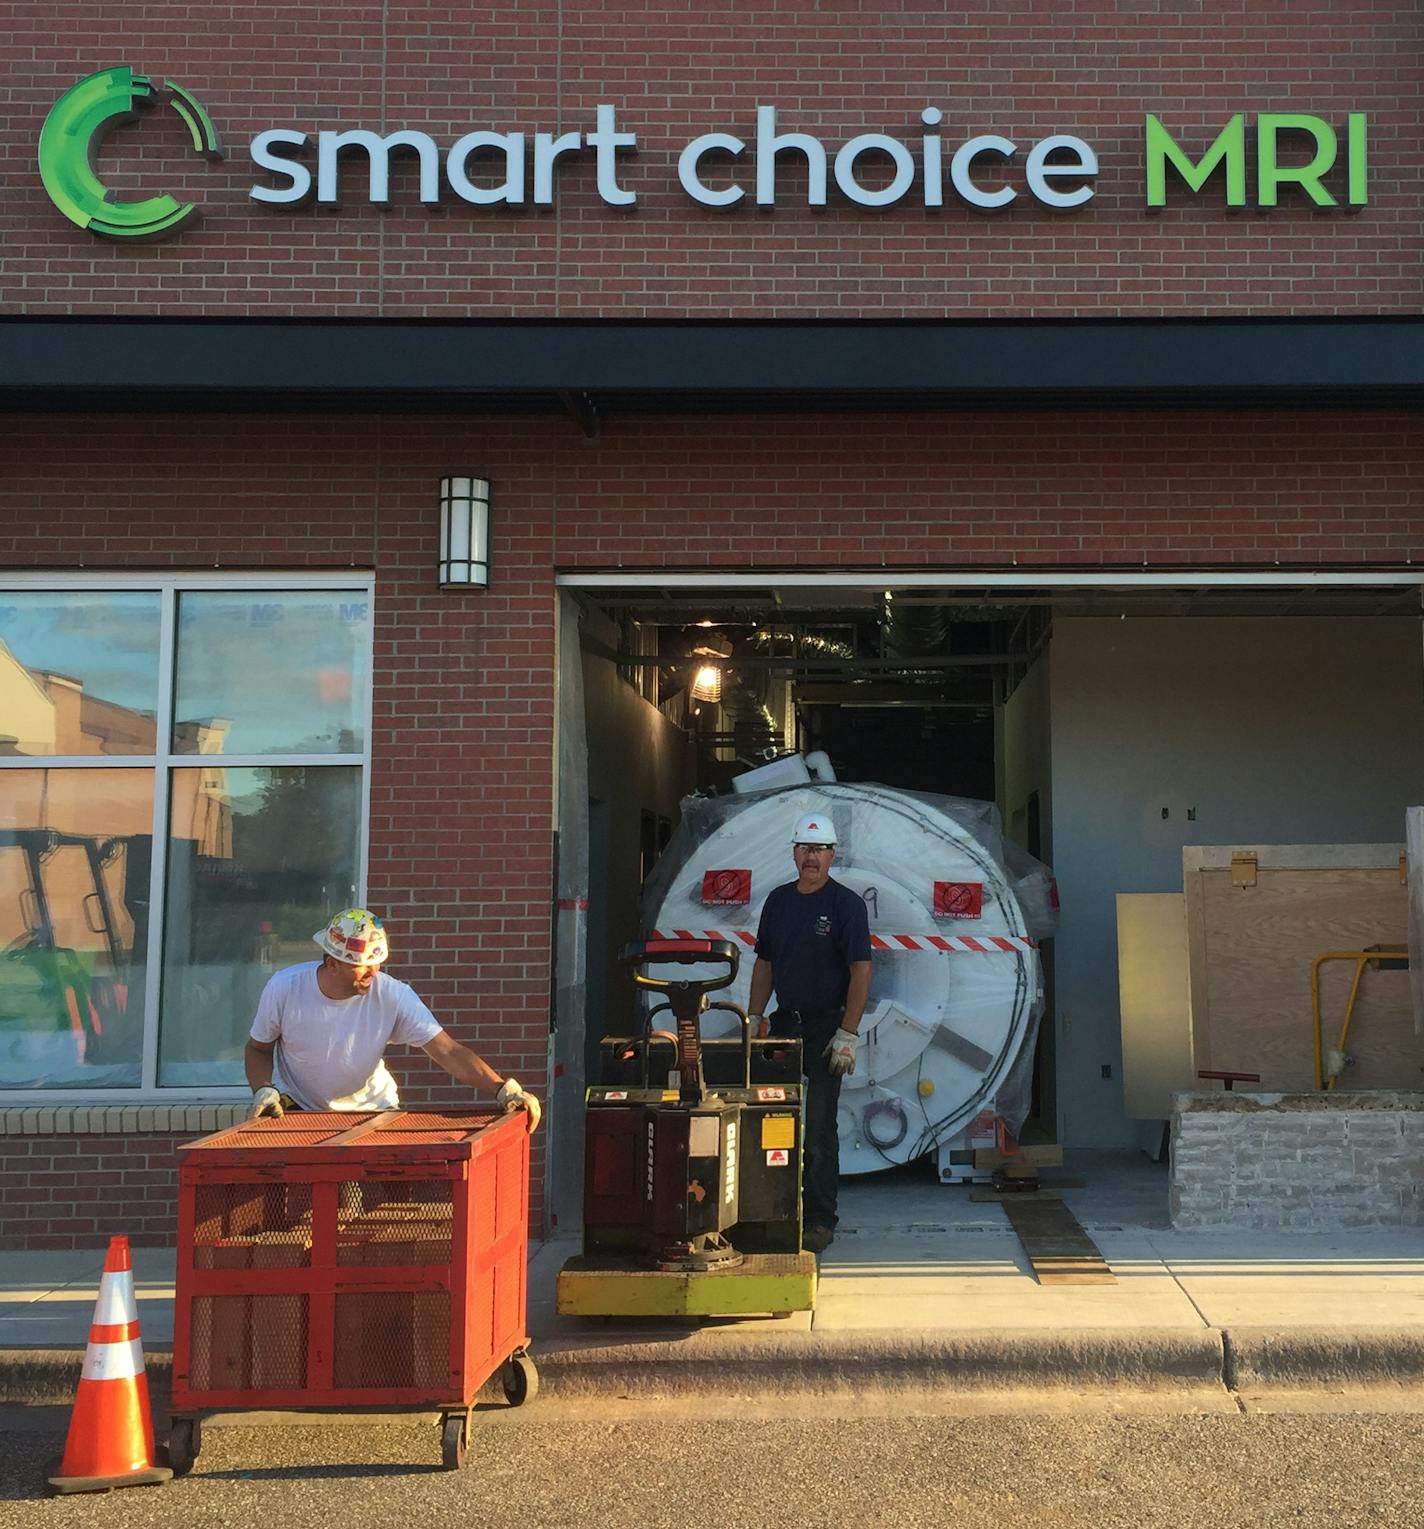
column 692, row 1161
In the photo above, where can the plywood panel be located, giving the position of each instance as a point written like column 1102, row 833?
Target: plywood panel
column 1153, row 998
column 1251, row 953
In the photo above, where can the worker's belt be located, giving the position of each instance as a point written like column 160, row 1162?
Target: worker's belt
column 813, row 1018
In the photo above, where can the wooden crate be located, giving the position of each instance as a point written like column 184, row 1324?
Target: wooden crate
column 1252, row 933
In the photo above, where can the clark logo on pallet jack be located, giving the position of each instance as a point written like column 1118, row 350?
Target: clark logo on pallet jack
column 958, row 899
column 729, row 1181
column 727, row 889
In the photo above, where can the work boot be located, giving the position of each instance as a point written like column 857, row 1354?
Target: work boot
column 816, row 1239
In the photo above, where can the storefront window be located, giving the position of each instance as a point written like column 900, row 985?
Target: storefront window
column 75, row 854
column 97, row 989
column 78, row 672
column 257, row 859
column 271, row 673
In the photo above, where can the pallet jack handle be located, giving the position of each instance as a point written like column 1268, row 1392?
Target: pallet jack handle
column 686, row 997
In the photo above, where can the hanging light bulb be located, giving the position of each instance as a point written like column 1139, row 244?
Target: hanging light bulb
column 707, row 685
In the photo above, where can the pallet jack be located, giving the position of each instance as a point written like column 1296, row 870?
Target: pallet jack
column 692, row 1161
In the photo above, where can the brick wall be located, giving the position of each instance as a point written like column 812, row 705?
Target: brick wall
column 78, row 1191
column 833, row 68
column 1297, row 1162
column 462, row 771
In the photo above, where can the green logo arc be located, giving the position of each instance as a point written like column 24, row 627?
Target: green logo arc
column 70, row 138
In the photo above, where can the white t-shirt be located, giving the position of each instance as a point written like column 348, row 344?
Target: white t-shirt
column 329, row 1050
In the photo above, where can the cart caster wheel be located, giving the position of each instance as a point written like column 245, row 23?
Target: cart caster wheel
column 521, row 1380
column 780, row 1316
column 455, row 1441
column 185, row 1440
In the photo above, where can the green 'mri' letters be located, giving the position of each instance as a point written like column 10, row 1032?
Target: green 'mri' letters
column 1229, row 151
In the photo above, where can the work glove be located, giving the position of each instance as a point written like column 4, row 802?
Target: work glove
column 512, row 1097
column 840, row 1052
column 266, row 1101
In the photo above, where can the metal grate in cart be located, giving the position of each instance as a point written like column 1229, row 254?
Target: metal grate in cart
column 248, row 1343
column 392, row 1340
column 385, row 1223
column 252, row 1226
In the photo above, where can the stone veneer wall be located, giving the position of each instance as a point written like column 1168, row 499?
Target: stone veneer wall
column 1298, row 1162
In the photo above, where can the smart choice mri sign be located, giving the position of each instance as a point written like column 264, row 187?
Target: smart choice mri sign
column 1299, row 154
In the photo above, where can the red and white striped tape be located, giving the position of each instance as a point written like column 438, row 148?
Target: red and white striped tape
column 984, row 944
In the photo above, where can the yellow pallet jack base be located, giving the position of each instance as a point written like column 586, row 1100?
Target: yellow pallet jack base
column 762, row 1284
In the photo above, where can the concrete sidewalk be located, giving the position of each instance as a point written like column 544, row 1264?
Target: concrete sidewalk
column 921, row 1288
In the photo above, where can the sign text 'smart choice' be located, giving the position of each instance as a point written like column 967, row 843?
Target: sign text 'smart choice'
column 1294, row 151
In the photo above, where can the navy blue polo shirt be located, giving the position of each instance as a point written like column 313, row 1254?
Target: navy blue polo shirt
column 811, row 939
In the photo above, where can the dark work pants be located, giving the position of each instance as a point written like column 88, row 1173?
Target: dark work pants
column 821, row 1169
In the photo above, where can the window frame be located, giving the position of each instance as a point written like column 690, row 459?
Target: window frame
column 161, row 765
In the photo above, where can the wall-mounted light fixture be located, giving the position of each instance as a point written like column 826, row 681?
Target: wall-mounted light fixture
column 707, row 683
column 464, row 532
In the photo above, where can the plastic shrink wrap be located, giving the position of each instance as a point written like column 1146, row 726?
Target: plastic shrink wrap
column 956, row 916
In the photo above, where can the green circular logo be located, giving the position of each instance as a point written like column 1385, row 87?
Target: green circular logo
column 70, row 138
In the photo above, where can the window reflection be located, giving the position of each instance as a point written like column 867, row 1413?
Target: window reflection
column 75, row 849
column 257, row 859
column 265, row 672
column 78, row 672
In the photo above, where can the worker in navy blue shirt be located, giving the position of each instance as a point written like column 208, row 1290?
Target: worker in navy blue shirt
column 813, row 949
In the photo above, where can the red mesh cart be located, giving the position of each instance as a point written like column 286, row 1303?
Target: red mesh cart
column 328, row 1261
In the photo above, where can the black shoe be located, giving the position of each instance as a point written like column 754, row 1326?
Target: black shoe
column 816, row 1239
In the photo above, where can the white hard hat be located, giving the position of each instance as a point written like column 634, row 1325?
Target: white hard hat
column 355, row 936
column 814, row 828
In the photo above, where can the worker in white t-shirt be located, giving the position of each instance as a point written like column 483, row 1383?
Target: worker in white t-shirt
column 326, row 1025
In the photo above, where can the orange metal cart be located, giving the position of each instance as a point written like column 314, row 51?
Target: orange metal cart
column 332, row 1261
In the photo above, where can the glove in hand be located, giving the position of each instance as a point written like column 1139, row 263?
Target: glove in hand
column 840, row 1052
column 266, row 1101
column 512, row 1097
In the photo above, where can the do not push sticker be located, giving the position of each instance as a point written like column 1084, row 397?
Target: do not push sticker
column 958, row 899
column 726, row 889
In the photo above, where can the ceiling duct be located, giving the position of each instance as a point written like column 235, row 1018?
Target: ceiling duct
column 915, row 631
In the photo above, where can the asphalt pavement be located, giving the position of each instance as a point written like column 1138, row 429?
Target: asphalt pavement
column 552, row 1465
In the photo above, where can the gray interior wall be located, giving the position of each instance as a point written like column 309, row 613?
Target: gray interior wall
column 1272, row 730
column 1022, row 750
column 1023, row 766
column 637, row 759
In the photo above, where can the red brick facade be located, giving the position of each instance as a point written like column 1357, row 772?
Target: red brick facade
column 832, row 68
column 78, row 1191
column 462, row 780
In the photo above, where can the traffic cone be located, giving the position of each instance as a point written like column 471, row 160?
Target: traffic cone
column 110, row 1441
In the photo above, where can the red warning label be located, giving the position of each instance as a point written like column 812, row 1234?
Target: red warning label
column 726, row 889
column 958, row 899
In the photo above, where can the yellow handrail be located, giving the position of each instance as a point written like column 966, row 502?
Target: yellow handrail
column 1361, row 958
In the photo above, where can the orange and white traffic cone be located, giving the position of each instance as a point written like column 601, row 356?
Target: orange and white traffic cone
column 110, row 1441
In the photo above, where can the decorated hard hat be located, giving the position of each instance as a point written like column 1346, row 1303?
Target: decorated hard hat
column 356, row 937
column 814, row 828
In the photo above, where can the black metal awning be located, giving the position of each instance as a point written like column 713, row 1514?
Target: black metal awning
column 607, row 365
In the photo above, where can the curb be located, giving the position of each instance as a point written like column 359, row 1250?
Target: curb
column 1146, row 1358
column 1007, row 1359
column 1311, row 1358
column 1240, row 1359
